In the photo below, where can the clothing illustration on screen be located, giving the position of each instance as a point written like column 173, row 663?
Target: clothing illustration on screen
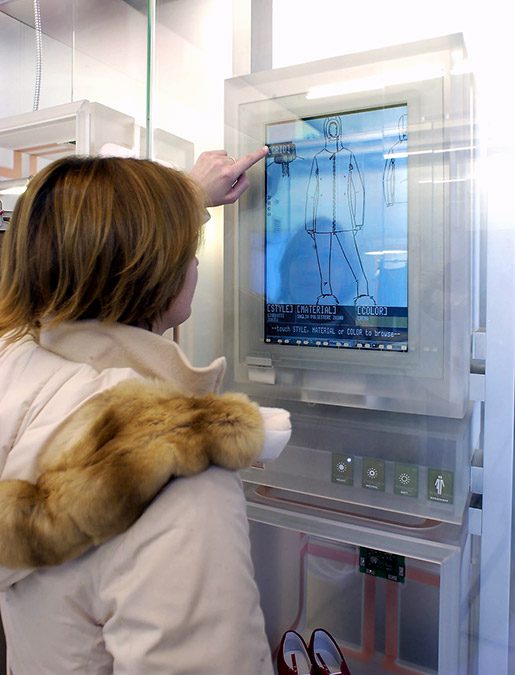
column 395, row 174
column 335, row 202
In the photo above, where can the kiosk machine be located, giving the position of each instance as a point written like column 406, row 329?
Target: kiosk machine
column 349, row 301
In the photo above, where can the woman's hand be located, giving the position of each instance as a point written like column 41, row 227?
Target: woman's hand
column 222, row 177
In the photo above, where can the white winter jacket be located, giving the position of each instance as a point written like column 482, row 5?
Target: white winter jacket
column 175, row 593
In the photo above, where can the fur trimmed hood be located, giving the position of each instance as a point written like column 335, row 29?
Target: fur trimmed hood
column 104, row 417
column 108, row 460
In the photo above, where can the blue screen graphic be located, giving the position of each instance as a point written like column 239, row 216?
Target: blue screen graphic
column 336, row 245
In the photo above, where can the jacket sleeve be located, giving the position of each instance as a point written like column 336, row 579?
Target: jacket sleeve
column 179, row 594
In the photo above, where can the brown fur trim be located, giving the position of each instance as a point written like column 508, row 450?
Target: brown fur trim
column 107, row 461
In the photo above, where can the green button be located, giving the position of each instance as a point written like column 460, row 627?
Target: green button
column 440, row 486
column 373, row 473
column 406, row 480
column 343, row 469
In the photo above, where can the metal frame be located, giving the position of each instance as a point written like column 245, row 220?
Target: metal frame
column 496, row 588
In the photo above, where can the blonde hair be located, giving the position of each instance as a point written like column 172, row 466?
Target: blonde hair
column 97, row 238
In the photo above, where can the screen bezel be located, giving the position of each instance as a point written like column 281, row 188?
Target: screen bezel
column 432, row 376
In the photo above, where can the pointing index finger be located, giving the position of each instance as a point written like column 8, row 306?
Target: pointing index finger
column 241, row 165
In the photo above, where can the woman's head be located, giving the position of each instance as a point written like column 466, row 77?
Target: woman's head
column 98, row 238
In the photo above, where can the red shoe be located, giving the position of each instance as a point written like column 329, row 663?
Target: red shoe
column 326, row 656
column 293, row 657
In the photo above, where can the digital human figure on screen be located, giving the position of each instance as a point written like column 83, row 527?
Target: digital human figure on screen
column 335, row 205
column 439, row 485
column 395, row 175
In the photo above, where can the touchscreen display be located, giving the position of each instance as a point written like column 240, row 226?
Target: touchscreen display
column 336, row 242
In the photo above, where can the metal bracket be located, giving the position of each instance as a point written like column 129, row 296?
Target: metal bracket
column 479, row 345
column 260, row 369
column 475, row 515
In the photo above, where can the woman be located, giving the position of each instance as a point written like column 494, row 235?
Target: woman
column 98, row 262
